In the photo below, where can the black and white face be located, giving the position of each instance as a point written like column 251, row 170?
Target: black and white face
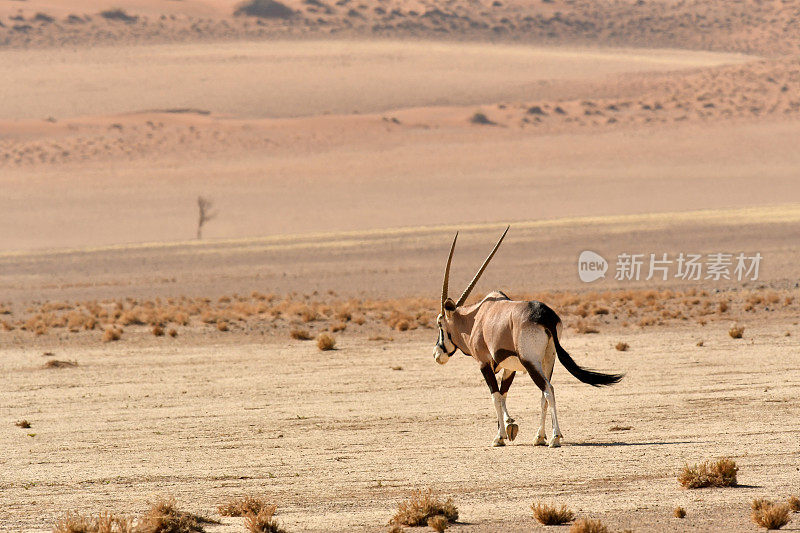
column 444, row 344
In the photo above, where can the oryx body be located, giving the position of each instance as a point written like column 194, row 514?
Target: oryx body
column 509, row 336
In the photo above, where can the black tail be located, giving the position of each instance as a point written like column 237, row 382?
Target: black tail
column 595, row 379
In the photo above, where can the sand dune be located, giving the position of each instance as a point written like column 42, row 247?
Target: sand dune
column 287, row 79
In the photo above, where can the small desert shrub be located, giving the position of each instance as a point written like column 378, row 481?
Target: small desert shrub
column 222, row 325
column 585, row 525
column 438, row 523
column 769, row 515
column 300, row 334
column 158, row 331
column 736, row 332
column 163, row 517
column 22, row 424
column 340, row 326
column 420, row 507
column 111, row 334
column 622, row 346
column 482, row 119
column 794, row 504
column 118, row 14
column 264, row 9
column 55, row 363
column 173, row 332
column 552, row 516
column 679, row 512
column 102, row 523
column 326, row 342
column 263, row 521
column 721, row 473
column 248, row 504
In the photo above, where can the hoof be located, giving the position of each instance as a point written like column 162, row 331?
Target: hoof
column 496, row 443
column 555, row 442
column 512, row 430
column 540, row 441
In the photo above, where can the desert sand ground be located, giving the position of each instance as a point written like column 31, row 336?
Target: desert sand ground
column 342, row 146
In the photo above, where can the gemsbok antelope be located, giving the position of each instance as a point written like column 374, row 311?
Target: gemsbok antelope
column 512, row 336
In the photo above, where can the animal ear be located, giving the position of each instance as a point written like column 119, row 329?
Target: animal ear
column 449, row 305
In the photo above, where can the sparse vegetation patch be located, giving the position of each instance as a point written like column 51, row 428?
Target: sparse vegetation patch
column 163, row 517
column 422, row 506
column 102, row 523
column 585, row 525
column 550, row 515
column 326, row 342
column 247, row 504
column 263, row 521
column 769, row 515
column 721, row 473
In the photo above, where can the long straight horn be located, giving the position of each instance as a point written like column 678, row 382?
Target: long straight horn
column 447, row 272
column 472, row 283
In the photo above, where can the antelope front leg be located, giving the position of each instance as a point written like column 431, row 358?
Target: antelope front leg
column 497, row 398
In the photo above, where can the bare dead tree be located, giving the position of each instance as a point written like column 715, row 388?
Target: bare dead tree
column 204, row 206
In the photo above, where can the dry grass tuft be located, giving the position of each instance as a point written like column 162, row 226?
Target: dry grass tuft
column 326, row 342
column 112, row 334
column 55, row 363
column 263, row 521
column 721, row 473
column 585, row 525
column 173, row 332
column 222, row 325
column 300, row 334
column 552, row 516
column 163, row 517
column 768, row 514
column 247, row 504
column 438, row 523
column 679, row 512
column 22, row 424
column 622, row 346
column 794, row 503
column 102, row 523
column 158, row 331
column 736, row 332
column 420, row 507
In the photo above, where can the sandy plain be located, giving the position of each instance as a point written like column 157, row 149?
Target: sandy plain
column 341, row 149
